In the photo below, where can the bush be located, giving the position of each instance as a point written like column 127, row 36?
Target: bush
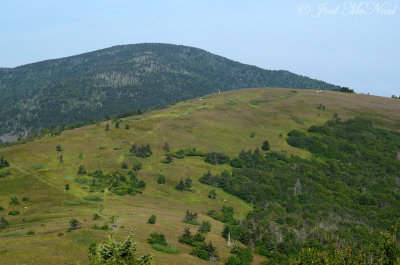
column 103, row 227
column 124, row 165
column 13, row 213
column 93, row 198
column 74, row 224
column 30, row 233
column 96, row 216
column 59, row 148
column 157, row 238
column 37, row 166
column 166, row 249
column 14, row 201
column 25, row 199
column 152, row 219
column 137, row 166
column 205, row 227
column 1, row 208
column 205, row 251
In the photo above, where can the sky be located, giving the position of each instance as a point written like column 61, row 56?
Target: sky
column 348, row 43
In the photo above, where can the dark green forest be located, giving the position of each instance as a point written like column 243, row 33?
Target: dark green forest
column 122, row 78
column 346, row 194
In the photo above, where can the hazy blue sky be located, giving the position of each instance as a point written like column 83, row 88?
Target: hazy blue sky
column 357, row 47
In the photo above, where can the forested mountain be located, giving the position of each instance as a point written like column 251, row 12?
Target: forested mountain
column 122, row 78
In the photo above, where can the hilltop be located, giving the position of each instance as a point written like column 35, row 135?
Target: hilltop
column 122, row 78
column 225, row 123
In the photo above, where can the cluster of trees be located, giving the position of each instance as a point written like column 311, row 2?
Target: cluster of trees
column 394, row 96
column 344, row 90
column 216, row 158
column 3, row 162
column 184, row 185
column 143, row 151
column 347, row 192
column 200, row 248
column 118, row 182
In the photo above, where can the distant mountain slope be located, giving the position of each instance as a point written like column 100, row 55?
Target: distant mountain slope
column 122, row 78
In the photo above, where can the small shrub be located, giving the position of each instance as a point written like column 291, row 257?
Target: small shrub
column 93, row 198
column 157, row 238
column 81, row 170
column 74, row 224
column 3, row 223
column 265, row 146
column 96, row 216
column 161, row 178
column 66, row 186
column 137, row 166
column 14, row 201
column 1, row 208
column 166, row 249
column 124, row 165
column 25, row 199
column 82, row 240
column 37, row 166
column 13, row 213
column 191, row 218
column 103, row 227
column 30, row 233
column 205, row 227
column 73, row 203
column 152, row 219
column 252, row 134
column 212, row 195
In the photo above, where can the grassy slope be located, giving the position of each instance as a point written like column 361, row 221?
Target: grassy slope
column 220, row 122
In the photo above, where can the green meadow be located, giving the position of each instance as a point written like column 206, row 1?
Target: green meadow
column 220, row 122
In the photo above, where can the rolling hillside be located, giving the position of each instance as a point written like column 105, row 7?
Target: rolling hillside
column 226, row 123
column 119, row 79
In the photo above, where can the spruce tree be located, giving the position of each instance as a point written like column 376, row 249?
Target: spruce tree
column 180, row 186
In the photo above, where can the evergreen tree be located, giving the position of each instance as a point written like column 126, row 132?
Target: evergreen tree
column 3, row 223
column 166, row 147
column 81, row 170
column 161, row 178
column 118, row 253
column 212, row 195
column 3, row 162
column 188, row 183
column 265, row 146
column 180, row 186
column 152, row 219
